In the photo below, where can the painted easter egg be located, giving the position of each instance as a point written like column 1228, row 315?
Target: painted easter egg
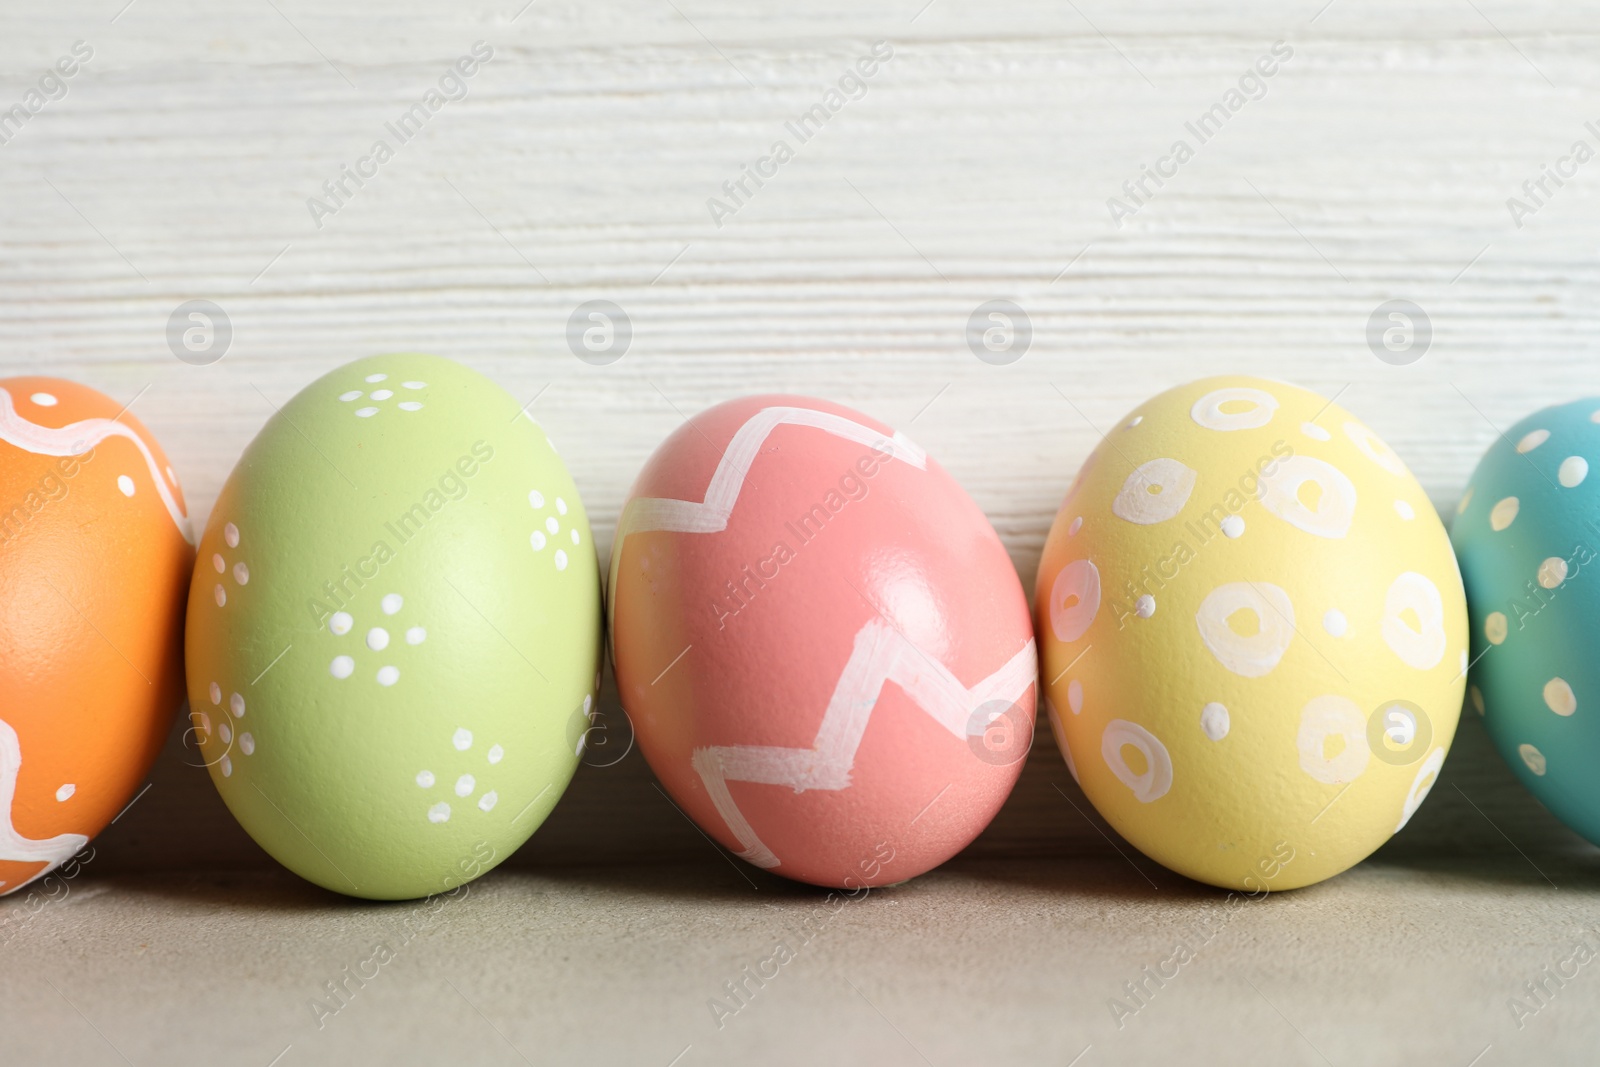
column 821, row 643
column 95, row 553
column 394, row 629
column 1526, row 533
column 1255, row 633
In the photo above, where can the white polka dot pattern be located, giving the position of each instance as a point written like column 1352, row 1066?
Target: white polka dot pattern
column 466, row 783
column 553, row 512
column 378, row 397
column 1233, row 585
column 376, row 639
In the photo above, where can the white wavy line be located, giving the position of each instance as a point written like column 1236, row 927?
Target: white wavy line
column 76, row 438
column 51, row 851
column 881, row 655
column 710, row 515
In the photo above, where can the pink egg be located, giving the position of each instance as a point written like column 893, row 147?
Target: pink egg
column 823, row 647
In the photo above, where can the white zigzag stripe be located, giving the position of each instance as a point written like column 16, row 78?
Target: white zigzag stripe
column 644, row 514
column 881, row 655
column 76, row 438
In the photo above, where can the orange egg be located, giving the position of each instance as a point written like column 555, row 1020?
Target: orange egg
column 95, row 558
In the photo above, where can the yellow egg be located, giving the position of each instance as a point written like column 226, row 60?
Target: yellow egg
column 1253, row 634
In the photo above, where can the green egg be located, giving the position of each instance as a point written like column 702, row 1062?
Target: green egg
column 393, row 639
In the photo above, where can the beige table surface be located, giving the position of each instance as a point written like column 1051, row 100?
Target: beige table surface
column 1377, row 165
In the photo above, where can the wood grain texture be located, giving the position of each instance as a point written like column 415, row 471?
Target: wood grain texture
column 977, row 165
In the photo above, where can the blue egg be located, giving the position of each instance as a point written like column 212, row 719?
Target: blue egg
column 1527, row 534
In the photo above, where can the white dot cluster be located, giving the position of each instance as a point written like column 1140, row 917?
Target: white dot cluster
column 240, row 570
column 465, row 784
column 377, row 397
column 227, row 728
column 549, row 531
column 376, row 639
